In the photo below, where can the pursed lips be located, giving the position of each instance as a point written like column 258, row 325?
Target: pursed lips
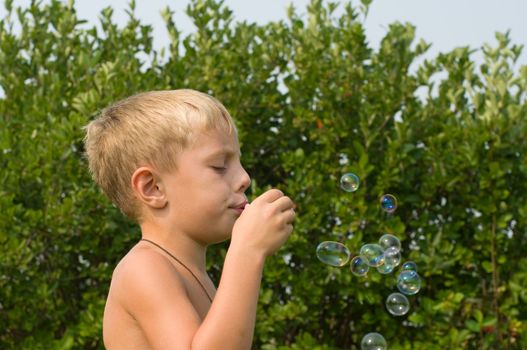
column 239, row 207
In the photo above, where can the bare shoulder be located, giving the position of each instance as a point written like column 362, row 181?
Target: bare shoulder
column 146, row 286
column 144, row 271
column 142, row 264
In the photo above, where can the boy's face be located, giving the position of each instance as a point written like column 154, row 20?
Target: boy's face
column 206, row 190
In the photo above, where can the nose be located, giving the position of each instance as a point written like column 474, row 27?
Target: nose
column 244, row 180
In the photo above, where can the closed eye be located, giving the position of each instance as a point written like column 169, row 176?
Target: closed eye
column 219, row 168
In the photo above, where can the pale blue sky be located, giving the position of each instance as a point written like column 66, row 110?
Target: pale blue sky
column 445, row 24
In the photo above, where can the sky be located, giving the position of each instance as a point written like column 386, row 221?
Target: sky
column 445, row 24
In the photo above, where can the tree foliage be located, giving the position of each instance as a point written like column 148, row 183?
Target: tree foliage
column 312, row 100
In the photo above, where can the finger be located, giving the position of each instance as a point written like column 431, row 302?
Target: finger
column 270, row 196
column 284, row 203
column 289, row 216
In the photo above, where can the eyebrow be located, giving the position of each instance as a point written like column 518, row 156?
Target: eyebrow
column 224, row 152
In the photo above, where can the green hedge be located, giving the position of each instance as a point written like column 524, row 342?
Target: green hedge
column 312, row 100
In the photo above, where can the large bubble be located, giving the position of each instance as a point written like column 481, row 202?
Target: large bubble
column 333, row 253
column 397, row 304
column 392, row 256
column 373, row 341
column 373, row 253
column 388, row 240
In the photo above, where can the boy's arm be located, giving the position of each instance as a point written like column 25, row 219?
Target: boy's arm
column 260, row 231
column 231, row 319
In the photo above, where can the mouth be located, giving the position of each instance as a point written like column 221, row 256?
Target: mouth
column 239, row 207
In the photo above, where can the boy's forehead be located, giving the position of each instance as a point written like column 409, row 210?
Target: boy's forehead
column 215, row 143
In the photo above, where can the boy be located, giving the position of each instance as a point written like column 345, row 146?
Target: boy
column 171, row 161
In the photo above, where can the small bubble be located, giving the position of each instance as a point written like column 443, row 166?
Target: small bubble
column 373, row 341
column 388, row 203
column 359, row 266
column 349, row 182
column 397, row 304
column 409, row 282
column 409, row 265
column 333, row 253
column 385, row 268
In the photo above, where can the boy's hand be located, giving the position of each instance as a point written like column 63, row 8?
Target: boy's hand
column 265, row 224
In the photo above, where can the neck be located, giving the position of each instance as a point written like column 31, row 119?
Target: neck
column 182, row 264
column 189, row 251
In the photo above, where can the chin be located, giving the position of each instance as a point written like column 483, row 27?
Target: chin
column 225, row 237
column 219, row 237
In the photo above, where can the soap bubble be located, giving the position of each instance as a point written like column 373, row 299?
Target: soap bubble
column 349, row 182
column 409, row 265
column 373, row 253
column 385, row 268
column 359, row 266
column 392, row 256
column 388, row 203
column 387, row 240
column 397, row 304
column 409, row 282
column 373, row 341
column 333, row 253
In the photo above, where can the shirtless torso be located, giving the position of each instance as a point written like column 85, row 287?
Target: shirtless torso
column 122, row 330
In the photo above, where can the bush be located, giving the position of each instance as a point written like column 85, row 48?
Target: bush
column 312, row 101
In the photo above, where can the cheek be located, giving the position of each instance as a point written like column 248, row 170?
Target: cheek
column 211, row 191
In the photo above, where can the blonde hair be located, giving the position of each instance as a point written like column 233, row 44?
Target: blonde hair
column 149, row 128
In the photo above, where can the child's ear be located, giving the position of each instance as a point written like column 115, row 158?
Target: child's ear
column 148, row 189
